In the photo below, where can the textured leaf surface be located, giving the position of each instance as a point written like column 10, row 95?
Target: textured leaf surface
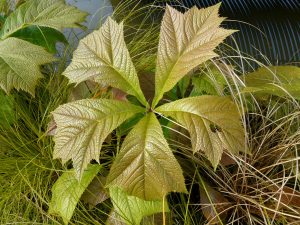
column 186, row 40
column 103, row 56
column 276, row 80
column 132, row 209
column 46, row 13
column 19, row 64
column 146, row 166
column 213, row 123
column 82, row 127
column 67, row 190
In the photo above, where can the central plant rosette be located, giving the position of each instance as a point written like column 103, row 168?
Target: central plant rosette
column 145, row 166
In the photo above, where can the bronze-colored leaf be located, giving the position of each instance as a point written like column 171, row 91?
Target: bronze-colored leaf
column 213, row 204
column 95, row 192
column 147, row 82
column 286, row 196
column 226, row 159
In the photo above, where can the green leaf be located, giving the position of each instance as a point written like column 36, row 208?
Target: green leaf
column 42, row 36
column 19, row 64
column 104, row 57
column 183, row 85
column 213, row 123
column 201, row 86
column 186, row 40
column 6, row 110
column 67, row 190
column 82, row 127
column 46, row 13
column 145, row 166
column 132, row 209
column 210, row 81
column 2, row 20
column 282, row 81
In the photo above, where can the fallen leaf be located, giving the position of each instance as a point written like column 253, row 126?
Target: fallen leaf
column 213, row 204
column 286, row 196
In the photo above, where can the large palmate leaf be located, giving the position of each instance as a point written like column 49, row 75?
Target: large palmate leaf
column 146, row 166
column 82, row 127
column 67, row 190
column 132, row 209
column 275, row 80
column 213, row 123
column 46, row 13
column 19, row 64
column 186, row 40
column 103, row 56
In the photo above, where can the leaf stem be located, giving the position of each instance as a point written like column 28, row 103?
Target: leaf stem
column 164, row 215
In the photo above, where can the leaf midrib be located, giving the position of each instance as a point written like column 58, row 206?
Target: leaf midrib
column 93, row 122
column 111, row 66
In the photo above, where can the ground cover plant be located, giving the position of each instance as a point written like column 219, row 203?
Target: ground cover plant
column 162, row 135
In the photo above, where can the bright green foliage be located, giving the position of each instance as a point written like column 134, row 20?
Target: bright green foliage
column 145, row 166
column 281, row 81
column 132, row 209
column 186, row 40
column 202, row 85
column 183, row 85
column 45, row 13
column 67, row 191
column 146, row 156
column 6, row 110
column 212, row 123
column 103, row 56
column 19, row 64
column 210, row 82
column 42, row 36
column 82, row 127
